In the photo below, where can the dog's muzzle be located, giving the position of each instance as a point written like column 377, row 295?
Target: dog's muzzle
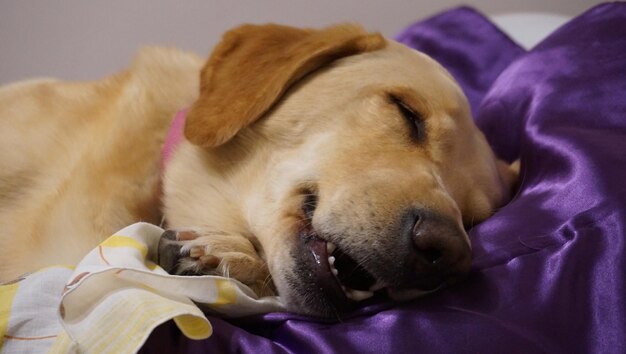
column 428, row 254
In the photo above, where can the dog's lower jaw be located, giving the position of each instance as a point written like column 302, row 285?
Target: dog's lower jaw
column 309, row 284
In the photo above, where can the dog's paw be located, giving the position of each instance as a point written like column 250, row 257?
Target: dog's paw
column 186, row 252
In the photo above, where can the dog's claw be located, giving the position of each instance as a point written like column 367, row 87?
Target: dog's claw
column 170, row 254
column 196, row 252
column 185, row 235
column 210, row 261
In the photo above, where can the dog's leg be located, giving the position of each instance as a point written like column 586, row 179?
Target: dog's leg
column 188, row 252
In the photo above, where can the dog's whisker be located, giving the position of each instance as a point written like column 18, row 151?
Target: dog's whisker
column 267, row 280
column 266, row 284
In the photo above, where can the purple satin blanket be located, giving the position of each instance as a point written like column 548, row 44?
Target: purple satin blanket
column 549, row 271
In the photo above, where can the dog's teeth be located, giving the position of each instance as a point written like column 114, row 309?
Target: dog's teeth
column 330, row 247
column 358, row 295
column 331, row 262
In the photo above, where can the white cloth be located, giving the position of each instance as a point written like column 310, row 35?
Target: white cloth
column 113, row 300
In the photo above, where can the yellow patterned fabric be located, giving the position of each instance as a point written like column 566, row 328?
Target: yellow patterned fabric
column 113, row 299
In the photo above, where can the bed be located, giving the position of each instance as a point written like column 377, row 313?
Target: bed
column 549, row 270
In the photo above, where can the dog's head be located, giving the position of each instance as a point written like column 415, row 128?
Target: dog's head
column 351, row 159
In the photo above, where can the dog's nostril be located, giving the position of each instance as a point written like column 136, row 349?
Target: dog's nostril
column 426, row 235
column 432, row 256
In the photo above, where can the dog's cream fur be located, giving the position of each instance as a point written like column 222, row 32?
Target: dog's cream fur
column 81, row 160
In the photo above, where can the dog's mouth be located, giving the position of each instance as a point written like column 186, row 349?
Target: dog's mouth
column 340, row 278
column 339, row 275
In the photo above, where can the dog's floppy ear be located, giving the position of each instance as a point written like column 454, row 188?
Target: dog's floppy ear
column 254, row 65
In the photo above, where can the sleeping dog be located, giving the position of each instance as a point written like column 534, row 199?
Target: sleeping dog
column 321, row 165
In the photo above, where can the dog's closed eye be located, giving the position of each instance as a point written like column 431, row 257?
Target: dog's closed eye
column 412, row 117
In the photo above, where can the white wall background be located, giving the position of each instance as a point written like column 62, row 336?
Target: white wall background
column 81, row 40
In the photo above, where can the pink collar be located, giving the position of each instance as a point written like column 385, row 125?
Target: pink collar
column 174, row 137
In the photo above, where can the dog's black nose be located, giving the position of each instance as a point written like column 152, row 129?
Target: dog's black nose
column 440, row 250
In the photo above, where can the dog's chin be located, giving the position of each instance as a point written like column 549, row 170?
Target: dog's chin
column 326, row 282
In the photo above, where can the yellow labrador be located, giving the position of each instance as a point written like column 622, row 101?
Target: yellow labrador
column 326, row 165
